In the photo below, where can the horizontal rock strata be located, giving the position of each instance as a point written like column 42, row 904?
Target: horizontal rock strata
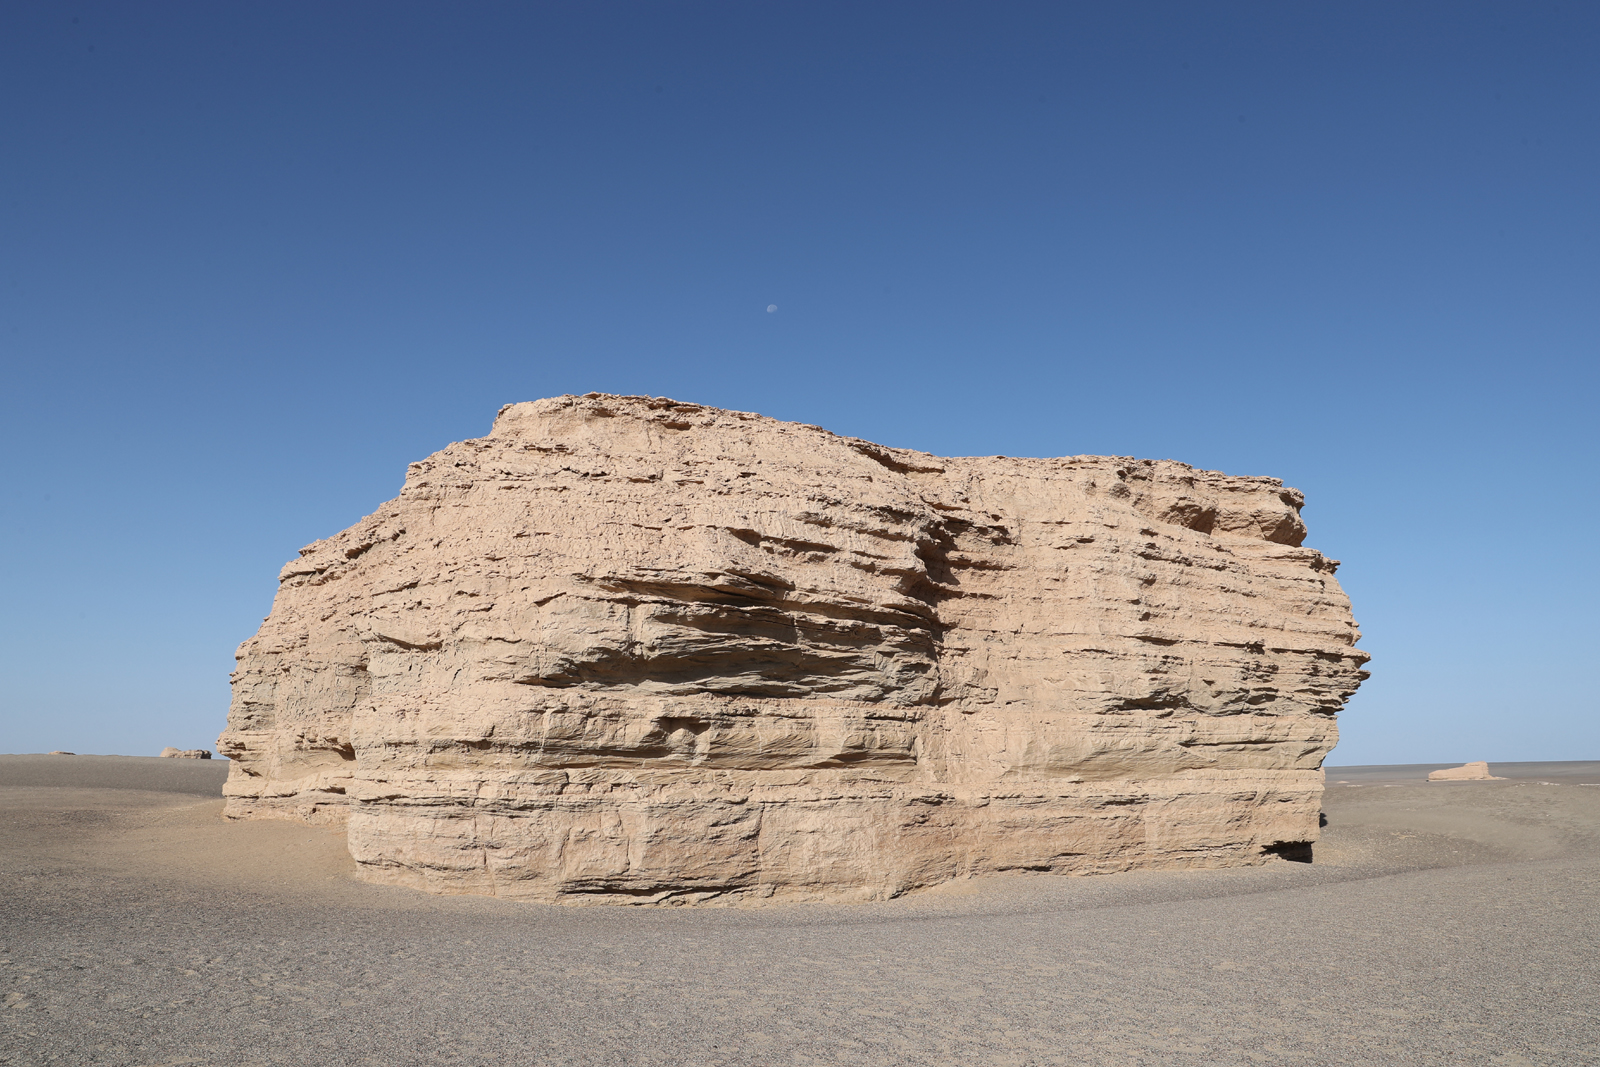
column 632, row 649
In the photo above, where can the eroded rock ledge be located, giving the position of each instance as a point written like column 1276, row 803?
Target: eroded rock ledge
column 632, row 649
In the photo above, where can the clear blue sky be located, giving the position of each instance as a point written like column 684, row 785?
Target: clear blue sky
column 255, row 258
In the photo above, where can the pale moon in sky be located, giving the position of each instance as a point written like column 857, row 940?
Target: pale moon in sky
column 771, row 308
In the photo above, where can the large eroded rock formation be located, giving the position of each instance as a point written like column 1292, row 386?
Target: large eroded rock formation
column 632, row 649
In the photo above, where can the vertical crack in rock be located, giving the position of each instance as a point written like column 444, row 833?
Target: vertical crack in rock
column 629, row 649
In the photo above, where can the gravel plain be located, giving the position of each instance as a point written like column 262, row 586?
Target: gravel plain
column 1451, row 923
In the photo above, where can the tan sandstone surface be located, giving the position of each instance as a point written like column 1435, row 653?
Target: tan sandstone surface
column 626, row 648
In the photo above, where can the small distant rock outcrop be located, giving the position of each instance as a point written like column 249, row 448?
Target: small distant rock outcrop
column 629, row 649
column 1469, row 772
column 186, row 753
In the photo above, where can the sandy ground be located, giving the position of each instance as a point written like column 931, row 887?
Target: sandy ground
column 1451, row 923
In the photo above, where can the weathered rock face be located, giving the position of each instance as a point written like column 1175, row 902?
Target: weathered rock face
column 631, row 649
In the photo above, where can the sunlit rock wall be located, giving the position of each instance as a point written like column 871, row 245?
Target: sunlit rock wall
column 632, row 649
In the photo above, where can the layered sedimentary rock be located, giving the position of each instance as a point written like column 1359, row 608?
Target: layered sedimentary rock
column 626, row 648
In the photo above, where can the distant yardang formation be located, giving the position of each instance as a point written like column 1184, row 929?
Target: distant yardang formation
column 1471, row 772
column 630, row 649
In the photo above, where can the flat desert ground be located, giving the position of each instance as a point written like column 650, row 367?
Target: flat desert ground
column 1448, row 923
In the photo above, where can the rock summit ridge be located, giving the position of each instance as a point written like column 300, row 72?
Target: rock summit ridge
column 631, row 649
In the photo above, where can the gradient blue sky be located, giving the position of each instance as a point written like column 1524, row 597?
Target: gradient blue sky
column 255, row 258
